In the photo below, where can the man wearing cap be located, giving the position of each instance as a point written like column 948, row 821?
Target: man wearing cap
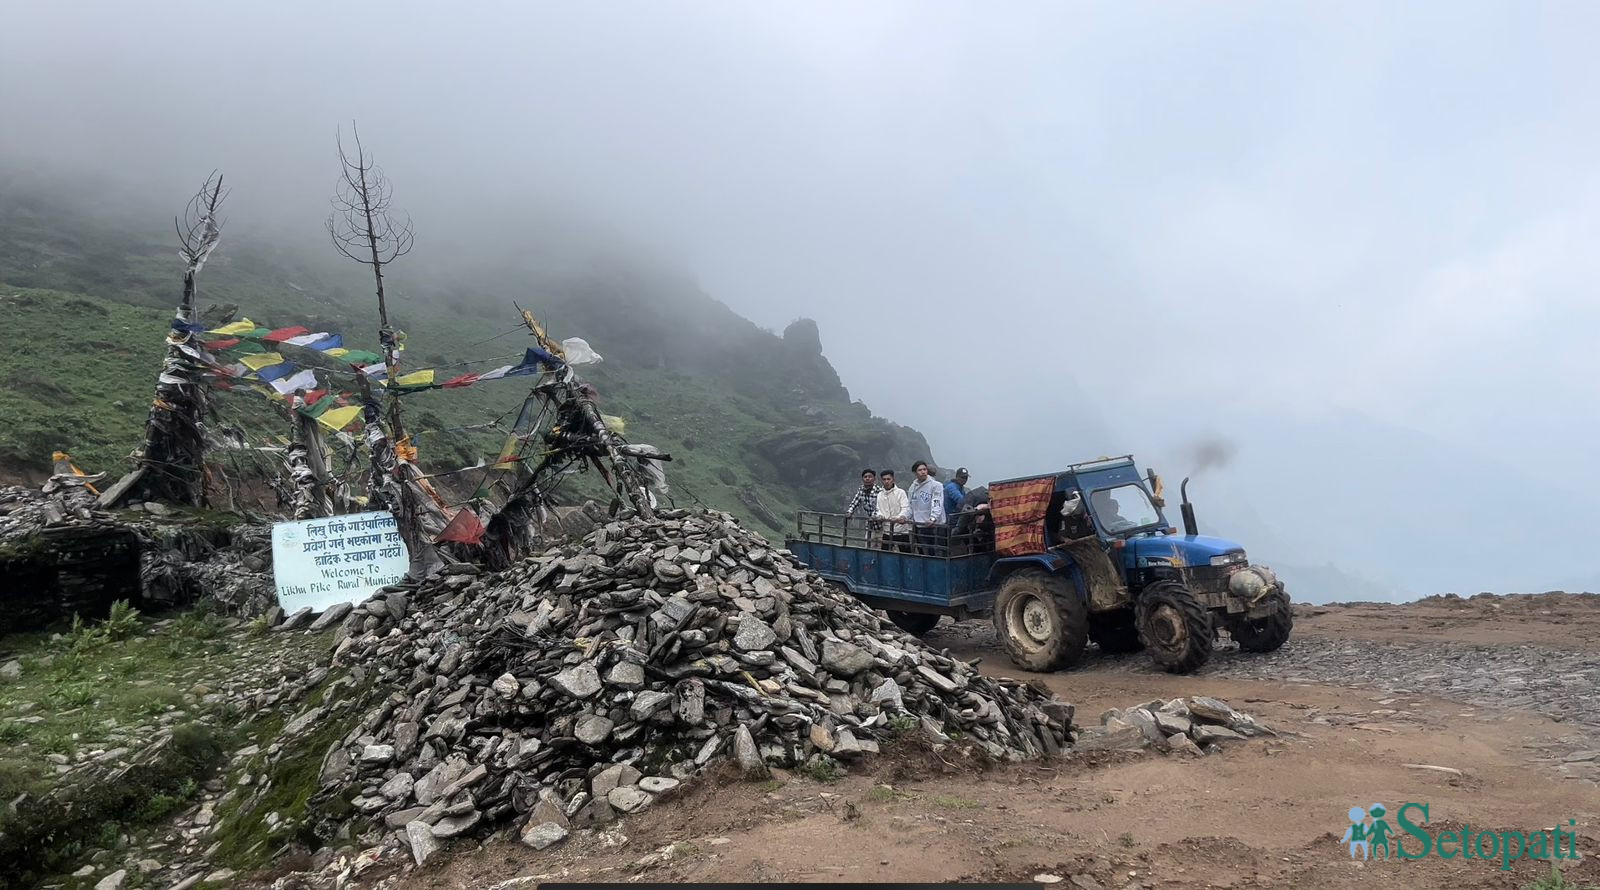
column 954, row 491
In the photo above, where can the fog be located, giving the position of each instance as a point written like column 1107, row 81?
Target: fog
column 1334, row 261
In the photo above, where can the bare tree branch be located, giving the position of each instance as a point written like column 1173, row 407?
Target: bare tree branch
column 200, row 230
column 362, row 226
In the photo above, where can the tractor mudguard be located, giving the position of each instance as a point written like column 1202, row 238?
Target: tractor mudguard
column 1054, row 563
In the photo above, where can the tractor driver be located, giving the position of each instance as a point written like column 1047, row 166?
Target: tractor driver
column 1110, row 511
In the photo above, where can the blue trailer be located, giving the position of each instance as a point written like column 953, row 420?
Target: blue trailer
column 1059, row 560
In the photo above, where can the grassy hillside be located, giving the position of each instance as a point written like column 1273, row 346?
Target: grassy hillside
column 76, row 372
column 745, row 412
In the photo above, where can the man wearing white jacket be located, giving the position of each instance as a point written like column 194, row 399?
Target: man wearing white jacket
column 894, row 512
column 927, row 509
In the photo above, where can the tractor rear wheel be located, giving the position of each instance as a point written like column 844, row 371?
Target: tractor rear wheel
column 914, row 623
column 1041, row 620
column 1116, row 632
column 1174, row 626
column 1267, row 633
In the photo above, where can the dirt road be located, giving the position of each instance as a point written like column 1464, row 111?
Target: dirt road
column 1263, row 813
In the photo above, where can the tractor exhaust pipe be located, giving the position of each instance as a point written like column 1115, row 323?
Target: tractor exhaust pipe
column 1187, row 509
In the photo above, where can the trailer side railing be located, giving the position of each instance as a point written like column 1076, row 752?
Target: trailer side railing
column 967, row 533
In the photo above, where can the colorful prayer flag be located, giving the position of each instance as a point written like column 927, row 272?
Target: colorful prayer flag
column 260, row 360
column 319, row 403
column 416, row 378
column 465, row 528
column 279, row 370
column 283, row 334
column 246, row 347
column 239, row 327
column 337, row 419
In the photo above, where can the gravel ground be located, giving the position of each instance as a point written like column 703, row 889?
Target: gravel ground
column 1559, row 683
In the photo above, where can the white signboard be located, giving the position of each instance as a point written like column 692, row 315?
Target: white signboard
column 339, row 559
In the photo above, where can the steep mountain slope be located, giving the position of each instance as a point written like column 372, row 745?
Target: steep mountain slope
column 758, row 423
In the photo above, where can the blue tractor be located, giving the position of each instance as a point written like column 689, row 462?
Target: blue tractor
column 1057, row 561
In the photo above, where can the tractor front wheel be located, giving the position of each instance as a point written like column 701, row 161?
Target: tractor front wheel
column 1267, row 633
column 1174, row 626
column 1041, row 620
column 914, row 623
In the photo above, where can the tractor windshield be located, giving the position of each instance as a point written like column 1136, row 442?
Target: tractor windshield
column 1123, row 508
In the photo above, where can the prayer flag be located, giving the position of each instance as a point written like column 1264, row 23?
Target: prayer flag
column 416, row 378
column 306, row 379
column 277, row 371
column 260, row 360
column 283, row 334
column 337, row 419
column 231, row 330
column 465, row 528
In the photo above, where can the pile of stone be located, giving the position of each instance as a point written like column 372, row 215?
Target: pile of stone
column 588, row 681
column 231, row 567
column 27, row 511
column 1195, row 725
column 77, row 558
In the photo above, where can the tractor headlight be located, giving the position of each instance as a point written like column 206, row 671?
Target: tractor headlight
column 1230, row 559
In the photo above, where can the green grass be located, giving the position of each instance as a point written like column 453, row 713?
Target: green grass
column 882, row 794
column 1555, row 881
column 94, row 698
column 684, row 850
column 243, row 838
column 89, row 695
column 822, row 768
column 48, row 833
column 899, row 724
column 79, row 372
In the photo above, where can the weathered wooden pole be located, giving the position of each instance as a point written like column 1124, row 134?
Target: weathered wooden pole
column 172, row 463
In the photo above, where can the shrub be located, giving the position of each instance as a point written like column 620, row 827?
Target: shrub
column 75, row 695
column 822, row 768
column 199, row 624
column 122, row 623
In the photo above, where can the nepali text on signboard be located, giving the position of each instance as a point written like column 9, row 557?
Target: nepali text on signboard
column 338, row 559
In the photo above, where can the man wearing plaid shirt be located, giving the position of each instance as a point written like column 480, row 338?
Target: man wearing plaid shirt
column 862, row 510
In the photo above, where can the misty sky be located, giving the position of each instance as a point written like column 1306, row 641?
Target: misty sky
column 1037, row 232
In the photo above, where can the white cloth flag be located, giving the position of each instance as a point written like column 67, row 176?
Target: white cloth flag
column 303, row 380
column 579, row 352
